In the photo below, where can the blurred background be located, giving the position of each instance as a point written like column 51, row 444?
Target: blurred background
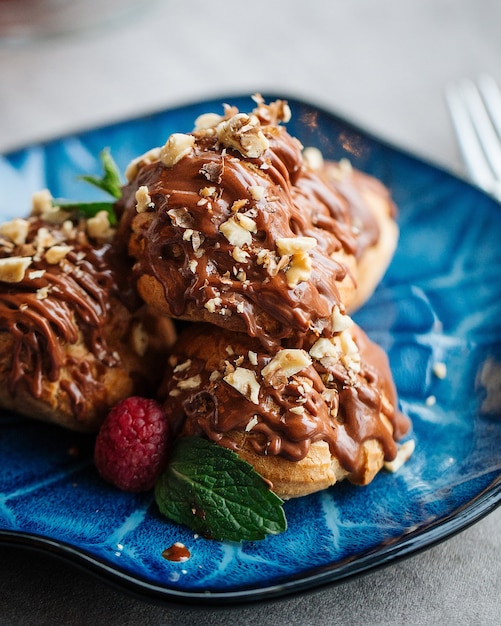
column 381, row 63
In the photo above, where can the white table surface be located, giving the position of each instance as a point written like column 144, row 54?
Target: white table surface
column 382, row 63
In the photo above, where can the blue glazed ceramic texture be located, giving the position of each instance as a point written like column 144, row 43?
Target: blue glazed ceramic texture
column 440, row 302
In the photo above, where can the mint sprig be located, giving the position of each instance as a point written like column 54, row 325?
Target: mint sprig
column 215, row 493
column 109, row 182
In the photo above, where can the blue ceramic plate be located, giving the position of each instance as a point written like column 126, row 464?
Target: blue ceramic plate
column 440, row 302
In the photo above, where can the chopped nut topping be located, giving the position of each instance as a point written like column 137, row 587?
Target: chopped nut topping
column 243, row 133
column 42, row 293
column 13, row 268
column 238, row 204
column 207, row 120
column 239, row 255
column 440, row 370
column 136, row 164
column 237, row 230
column 300, row 264
column 322, row 348
column 16, row 230
column 245, row 382
column 182, row 367
column 298, row 410
column 56, row 254
column 343, row 169
column 193, row 264
column 34, row 274
column 68, row 229
column 251, row 423
column 43, row 240
column 284, row 364
column 139, row 339
column 98, row 227
column 208, row 192
column 350, row 355
column 181, row 217
column 190, row 383
column 257, row 192
column 252, row 357
column 178, row 145
column 212, row 304
column 295, row 245
column 340, row 321
column 41, row 201
column 143, row 199
column 313, row 158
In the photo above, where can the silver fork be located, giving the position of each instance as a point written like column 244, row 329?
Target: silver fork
column 475, row 109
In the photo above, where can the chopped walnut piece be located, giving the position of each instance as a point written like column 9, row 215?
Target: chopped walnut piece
column 181, row 217
column 244, row 134
column 143, row 199
column 182, row 367
column 295, row 245
column 177, row 146
column 136, row 164
column 190, row 383
column 139, row 339
column 257, row 192
column 41, row 201
column 239, row 255
column 300, row 264
column 340, row 321
column 237, row 230
column 350, row 354
column 284, row 364
column 239, row 204
column 313, row 158
column 207, row 120
column 245, row 382
column 99, row 226
column 322, row 348
column 34, row 274
column 55, row 254
column 212, row 304
column 13, row 268
column 16, row 230
column 42, row 293
column 254, row 421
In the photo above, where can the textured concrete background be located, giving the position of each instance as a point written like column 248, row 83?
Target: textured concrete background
column 381, row 63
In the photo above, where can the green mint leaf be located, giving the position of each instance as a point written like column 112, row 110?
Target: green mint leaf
column 110, row 180
column 215, row 493
column 86, row 209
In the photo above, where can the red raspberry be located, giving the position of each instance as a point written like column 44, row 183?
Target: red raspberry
column 131, row 447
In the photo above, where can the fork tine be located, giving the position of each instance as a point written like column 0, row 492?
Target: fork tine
column 483, row 125
column 492, row 99
column 473, row 155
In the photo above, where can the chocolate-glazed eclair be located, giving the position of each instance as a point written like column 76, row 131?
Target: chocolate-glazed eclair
column 74, row 337
column 230, row 224
column 304, row 418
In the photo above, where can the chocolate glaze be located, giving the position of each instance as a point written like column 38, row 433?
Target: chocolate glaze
column 298, row 201
column 69, row 303
column 342, row 407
